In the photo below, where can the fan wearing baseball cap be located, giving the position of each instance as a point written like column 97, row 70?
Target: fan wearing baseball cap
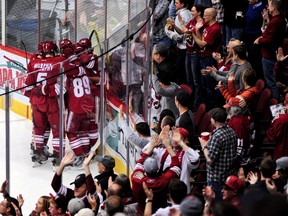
column 277, row 133
column 146, row 170
column 188, row 157
column 233, row 189
column 83, row 183
column 105, row 165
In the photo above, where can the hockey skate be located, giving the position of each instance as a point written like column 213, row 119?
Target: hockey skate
column 78, row 162
column 39, row 159
column 46, row 152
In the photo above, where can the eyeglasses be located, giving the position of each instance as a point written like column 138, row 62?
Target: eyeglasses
column 205, row 15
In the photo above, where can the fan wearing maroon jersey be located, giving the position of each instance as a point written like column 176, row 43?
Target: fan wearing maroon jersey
column 90, row 61
column 79, row 103
column 42, row 82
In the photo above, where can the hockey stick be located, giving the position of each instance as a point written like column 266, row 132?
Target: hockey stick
column 15, row 62
column 26, row 56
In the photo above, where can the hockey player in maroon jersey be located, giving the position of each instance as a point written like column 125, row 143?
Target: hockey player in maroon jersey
column 39, row 55
column 90, row 61
column 42, row 82
column 80, row 103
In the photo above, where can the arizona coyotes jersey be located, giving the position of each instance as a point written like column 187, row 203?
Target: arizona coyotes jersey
column 79, row 99
column 43, row 72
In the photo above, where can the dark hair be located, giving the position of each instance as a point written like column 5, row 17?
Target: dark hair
column 240, row 51
column 160, row 49
column 11, row 200
column 278, row 4
column 168, row 120
column 164, row 77
column 124, row 181
column 249, row 77
column 199, row 8
column 185, row 2
column 184, row 98
column 46, row 203
column 113, row 205
column 267, row 167
column 143, row 128
column 177, row 190
column 163, row 113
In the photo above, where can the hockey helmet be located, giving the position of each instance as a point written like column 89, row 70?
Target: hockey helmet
column 65, row 43
column 84, row 43
column 49, row 47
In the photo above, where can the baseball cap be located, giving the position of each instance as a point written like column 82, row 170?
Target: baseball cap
column 107, row 161
column 191, row 205
column 79, row 180
column 234, row 183
column 75, row 205
column 85, row 212
column 150, row 165
column 218, row 114
column 232, row 102
column 183, row 132
column 282, row 163
column 61, row 201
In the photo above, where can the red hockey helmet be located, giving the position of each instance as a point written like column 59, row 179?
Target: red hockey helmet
column 65, row 43
column 40, row 47
column 84, row 43
column 49, row 47
column 78, row 49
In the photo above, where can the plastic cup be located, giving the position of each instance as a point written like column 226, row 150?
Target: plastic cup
column 205, row 136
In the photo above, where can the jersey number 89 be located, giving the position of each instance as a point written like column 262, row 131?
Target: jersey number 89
column 81, row 86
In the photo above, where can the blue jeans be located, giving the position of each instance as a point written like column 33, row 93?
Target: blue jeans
column 212, row 98
column 236, row 33
column 270, row 80
column 217, row 188
column 193, row 74
column 166, row 41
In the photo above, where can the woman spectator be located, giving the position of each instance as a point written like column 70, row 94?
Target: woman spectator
column 192, row 62
column 244, row 97
column 225, row 63
column 42, row 206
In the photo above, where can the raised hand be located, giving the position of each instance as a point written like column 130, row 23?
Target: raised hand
column 148, row 192
column 20, row 200
column 155, row 140
column 93, row 201
column 280, row 55
column 68, row 158
column 4, row 186
column 121, row 114
column 252, row 178
column 87, row 159
column 176, row 135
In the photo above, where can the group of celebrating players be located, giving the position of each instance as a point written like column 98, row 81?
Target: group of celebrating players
column 81, row 88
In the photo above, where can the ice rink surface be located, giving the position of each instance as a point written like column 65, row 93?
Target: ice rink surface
column 24, row 179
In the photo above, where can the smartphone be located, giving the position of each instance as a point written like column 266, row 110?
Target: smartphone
column 155, row 120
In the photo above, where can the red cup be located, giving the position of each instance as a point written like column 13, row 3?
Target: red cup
column 205, row 136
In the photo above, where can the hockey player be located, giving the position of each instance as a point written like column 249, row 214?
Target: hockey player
column 39, row 55
column 79, row 103
column 42, row 82
column 90, row 61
